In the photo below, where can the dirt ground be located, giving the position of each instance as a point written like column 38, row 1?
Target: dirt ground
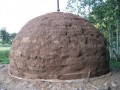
column 110, row 81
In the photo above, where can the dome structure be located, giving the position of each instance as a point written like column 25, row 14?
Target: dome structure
column 58, row 46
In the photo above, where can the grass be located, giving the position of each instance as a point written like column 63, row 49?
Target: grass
column 5, row 45
column 4, row 53
column 4, row 48
column 4, row 57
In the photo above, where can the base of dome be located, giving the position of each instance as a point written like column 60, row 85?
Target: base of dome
column 85, row 79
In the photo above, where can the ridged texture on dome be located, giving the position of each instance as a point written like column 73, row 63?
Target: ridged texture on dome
column 58, row 46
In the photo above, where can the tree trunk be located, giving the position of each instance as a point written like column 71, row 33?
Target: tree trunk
column 118, row 24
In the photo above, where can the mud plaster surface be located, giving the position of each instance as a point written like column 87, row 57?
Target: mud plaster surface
column 58, row 46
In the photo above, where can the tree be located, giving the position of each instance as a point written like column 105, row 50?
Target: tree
column 82, row 7
column 6, row 37
column 105, row 15
column 12, row 36
column 118, row 24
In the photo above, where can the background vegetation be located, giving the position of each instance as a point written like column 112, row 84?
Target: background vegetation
column 105, row 16
column 5, row 44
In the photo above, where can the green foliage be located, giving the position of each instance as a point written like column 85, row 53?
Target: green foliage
column 12, row 36
column 118, row 9
column 5, row 48
column 4, row 45
column 4, row 57
column 104, row 15
column 6, row 37
column 82, row 7
column 114, row 64
column 4, row 53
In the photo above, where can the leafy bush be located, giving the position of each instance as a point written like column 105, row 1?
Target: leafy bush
column 4, row 57
column 114, row 64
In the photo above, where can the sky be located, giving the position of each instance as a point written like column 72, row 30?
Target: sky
column 16, row 13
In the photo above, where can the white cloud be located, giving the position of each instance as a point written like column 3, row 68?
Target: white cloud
column 15, row 13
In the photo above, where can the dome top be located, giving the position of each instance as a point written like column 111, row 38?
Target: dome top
column 58, row 46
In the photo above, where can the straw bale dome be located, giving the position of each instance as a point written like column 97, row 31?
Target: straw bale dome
column 58, row 46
